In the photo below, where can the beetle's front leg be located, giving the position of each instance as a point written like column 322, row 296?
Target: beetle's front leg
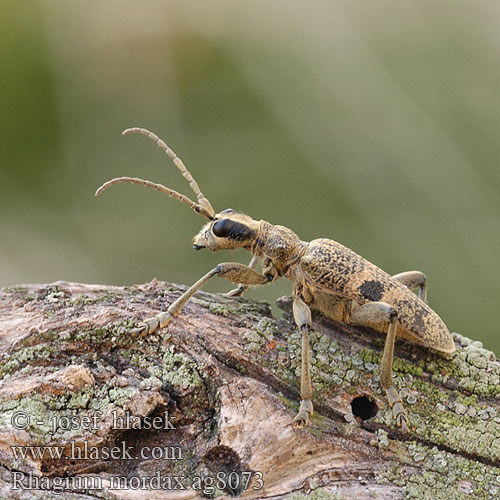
column 302, row 316
column 238, row 291
column 232, row 271
column 382, row 316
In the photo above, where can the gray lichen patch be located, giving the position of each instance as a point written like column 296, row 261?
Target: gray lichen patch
column 263, row 333
column 179, row 370
column 330, row 365
column 431, row 473
column 14, row 360
column 34, row 413
column 49, row 418
column 477, row 370
column 451, row 418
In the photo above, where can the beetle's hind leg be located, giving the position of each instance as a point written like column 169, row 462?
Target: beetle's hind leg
column 413, row 280
column 302, row 316
column 382, row 316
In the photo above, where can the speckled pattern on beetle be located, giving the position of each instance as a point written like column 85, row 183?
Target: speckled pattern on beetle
column 325, row 275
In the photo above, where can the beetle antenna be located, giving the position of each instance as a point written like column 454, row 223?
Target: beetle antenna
column 159, row 187
column 202, row 200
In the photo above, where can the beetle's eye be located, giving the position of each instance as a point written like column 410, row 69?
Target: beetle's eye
column 223, row 227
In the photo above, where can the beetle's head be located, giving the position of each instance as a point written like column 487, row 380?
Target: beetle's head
column 228, row 230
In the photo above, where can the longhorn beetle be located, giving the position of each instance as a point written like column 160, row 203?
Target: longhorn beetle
column 326, row 276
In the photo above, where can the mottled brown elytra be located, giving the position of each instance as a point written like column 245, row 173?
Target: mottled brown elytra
column 326, row 276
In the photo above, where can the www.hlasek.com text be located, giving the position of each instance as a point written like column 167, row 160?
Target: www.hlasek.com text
column 84, row 451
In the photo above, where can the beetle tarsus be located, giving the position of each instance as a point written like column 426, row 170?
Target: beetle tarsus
column 398, row 410
column 152, row 325
column 302, row 417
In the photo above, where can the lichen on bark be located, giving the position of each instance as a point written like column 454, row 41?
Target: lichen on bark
column 227, row 374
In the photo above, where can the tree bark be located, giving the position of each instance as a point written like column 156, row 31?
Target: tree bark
column 205, row 404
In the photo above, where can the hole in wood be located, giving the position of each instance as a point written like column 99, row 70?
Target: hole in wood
column 364, row 407
column 226, row 462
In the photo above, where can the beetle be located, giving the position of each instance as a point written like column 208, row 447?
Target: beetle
column 325, row 275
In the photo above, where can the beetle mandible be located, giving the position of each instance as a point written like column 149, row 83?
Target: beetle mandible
column 326, row 276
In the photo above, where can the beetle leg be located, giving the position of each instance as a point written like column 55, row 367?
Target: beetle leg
column 238, row 291
column 414, row 279
column 393, row 396
column 382, row 316
column 232, row 271
column 302, row 316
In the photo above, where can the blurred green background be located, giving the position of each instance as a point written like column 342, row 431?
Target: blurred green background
column 375, row 124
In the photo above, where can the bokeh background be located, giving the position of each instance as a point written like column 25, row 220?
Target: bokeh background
column 376, row 124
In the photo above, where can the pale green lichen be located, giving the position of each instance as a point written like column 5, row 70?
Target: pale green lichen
column 179, row 370
column 44, row 420
column 319, row 494
column 266, row 328
column 31, row 411
column 49, row 413
column 13, row 360
column 440, row 475
column 381, row 439
column 120, row 395
column 117, row 333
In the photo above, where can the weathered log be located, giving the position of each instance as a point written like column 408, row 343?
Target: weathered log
column 227, row 374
